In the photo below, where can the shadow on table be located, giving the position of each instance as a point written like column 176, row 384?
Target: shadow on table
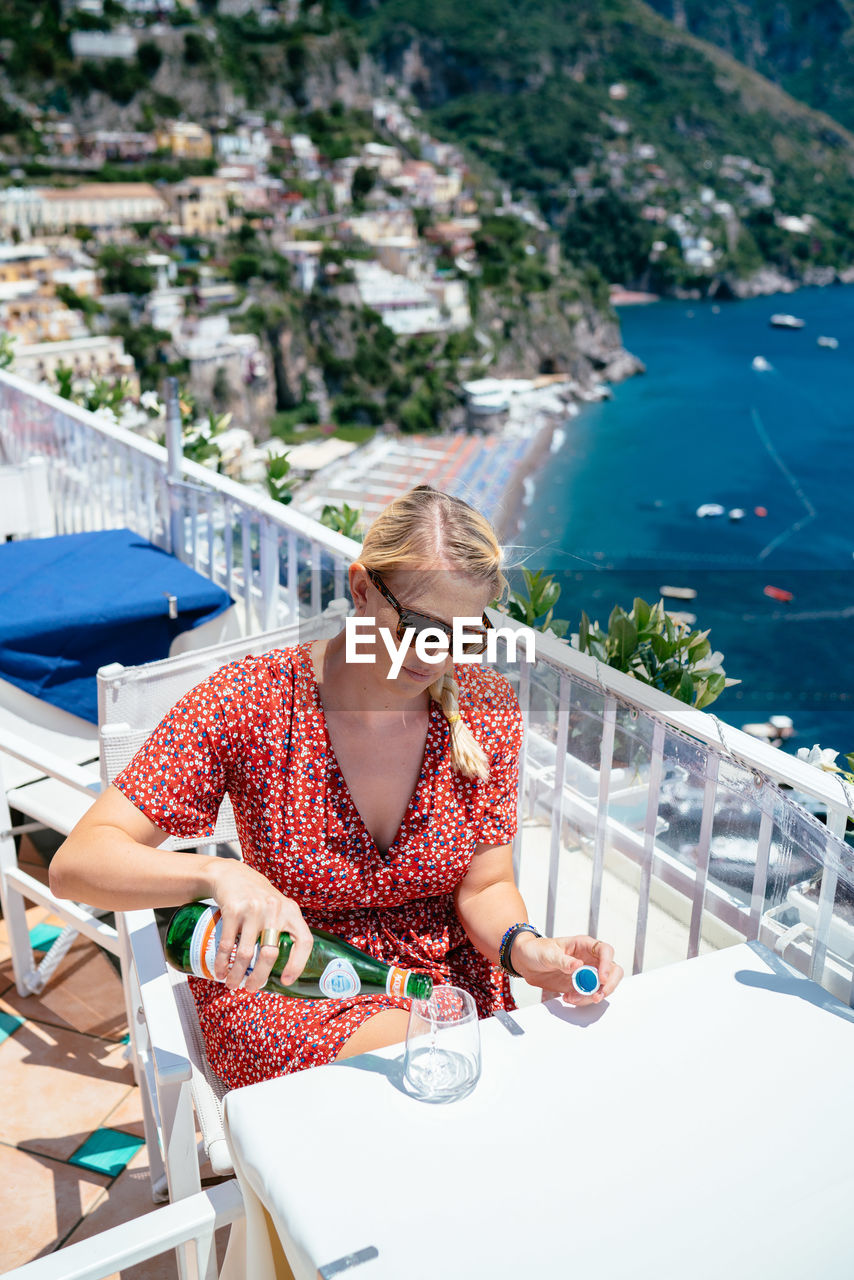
column 583, row 1016
column 787, row 982
column 391, row 1068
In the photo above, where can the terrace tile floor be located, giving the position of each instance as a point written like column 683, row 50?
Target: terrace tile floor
column 72, row 1157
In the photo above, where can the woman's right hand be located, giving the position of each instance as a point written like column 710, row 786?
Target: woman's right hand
column 249, row 903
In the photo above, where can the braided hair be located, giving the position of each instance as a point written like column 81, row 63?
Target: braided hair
column 424, row 526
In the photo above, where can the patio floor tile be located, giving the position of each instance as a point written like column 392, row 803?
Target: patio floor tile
column 40, row 1202
column 9, row 1024
column 128, row 1114
column 84, row 994
column 129, row 1197
column 107, row 1151
column 35, row 916
column 64, row 1085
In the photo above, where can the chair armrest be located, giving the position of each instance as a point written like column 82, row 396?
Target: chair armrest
column 140, row 1239
column 158, row 1006
column 48, row 762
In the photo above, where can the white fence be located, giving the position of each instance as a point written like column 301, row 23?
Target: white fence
column 275, row 563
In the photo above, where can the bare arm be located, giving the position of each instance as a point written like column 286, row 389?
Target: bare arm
column 488, row 902
column 110, row 860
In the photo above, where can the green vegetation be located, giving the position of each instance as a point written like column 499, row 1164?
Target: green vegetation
column 610, row 233
column 534, row 602
column 280, row 483
column 122, row 271
column 802, row 45
column 648, row 644
column 90, row 307
column 344, row 519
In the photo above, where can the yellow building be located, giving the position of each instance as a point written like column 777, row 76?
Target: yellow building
column 185, row 140
column 201, row 205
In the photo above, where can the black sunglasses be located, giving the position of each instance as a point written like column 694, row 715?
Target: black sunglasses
column 474, row 643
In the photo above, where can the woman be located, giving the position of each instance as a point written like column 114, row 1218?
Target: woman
column 373, row 799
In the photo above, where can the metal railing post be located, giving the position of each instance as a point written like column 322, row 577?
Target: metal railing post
column 174, row 471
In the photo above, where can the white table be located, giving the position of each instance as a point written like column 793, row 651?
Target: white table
column 697, row 1125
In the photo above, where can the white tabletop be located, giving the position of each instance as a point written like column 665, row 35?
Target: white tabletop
column 698, row 1124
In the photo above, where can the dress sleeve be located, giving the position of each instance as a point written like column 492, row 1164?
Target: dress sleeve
column 499, row 815
column 179, row 775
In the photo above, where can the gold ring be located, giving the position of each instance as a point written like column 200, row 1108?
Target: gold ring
column 270, row 938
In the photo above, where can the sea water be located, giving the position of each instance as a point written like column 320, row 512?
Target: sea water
column 613, row 514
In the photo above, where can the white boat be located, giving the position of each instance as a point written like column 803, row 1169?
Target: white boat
column 760, row 364
column 824, row 341
column 782, row 321
column 710, row 509
column 678, row 593
column 736, row 513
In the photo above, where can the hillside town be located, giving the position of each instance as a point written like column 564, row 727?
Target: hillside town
column 165, row 250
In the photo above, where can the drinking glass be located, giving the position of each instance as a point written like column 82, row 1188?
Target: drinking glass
column 442, row 1060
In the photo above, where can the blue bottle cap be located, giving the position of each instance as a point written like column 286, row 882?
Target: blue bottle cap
column 586, row 980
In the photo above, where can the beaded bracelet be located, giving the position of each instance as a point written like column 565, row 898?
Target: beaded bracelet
column 506, row 943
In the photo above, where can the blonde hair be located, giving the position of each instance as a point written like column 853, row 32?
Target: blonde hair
column 422, row 527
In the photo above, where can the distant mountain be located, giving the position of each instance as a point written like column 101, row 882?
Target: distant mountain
column 660, row 159
column 806, row 46
column 605, row 111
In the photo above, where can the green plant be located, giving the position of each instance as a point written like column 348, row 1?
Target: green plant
column 103, row 394
column 344, row 519
column 535, row 604
column 280, row 484
column 650, row 645
column 64, row 376
column 7, row 350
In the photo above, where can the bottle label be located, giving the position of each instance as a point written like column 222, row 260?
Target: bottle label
column 204, row 944
column 395, row 983
column 339, row 979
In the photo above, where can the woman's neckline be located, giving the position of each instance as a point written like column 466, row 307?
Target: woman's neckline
column 310, row 668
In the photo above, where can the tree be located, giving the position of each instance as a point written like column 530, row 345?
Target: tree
column 149, row 57
column 610, row 233
column 363, row 182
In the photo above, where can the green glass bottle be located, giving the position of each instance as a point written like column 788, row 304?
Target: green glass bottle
column 333, row 969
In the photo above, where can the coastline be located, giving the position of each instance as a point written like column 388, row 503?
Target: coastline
column 508, row 518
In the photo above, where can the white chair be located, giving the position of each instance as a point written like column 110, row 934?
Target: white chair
column 178, row 1088
column 189, row 1224
column 49, row 774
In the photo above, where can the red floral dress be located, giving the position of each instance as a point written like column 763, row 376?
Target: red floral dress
column 256, row 729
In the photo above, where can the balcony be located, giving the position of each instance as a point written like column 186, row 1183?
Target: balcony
column 644, row 822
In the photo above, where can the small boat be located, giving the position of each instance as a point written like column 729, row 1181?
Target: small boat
column 710, row 509
column 776, row 729
column 778, row 593
column 678, row 593
column 823, row 341
column 760, row 364
column 761, row 512
column 781, row 321
column 736, row 513
column 681, row 618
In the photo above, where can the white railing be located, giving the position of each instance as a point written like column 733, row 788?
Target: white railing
column 701, row 815
column 695, row 813
column 275, row 563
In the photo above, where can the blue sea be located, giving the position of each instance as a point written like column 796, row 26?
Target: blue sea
column 613, row 513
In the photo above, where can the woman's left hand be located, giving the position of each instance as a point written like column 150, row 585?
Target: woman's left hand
column 550, row 962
